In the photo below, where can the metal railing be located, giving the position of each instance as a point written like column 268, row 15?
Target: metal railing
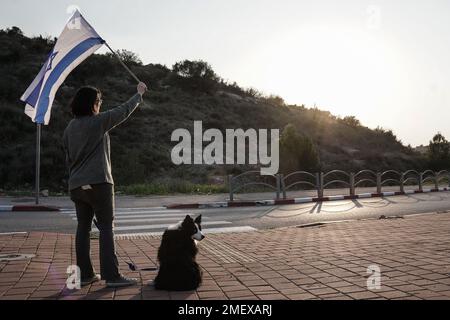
column 242, row 180
column 320, row 181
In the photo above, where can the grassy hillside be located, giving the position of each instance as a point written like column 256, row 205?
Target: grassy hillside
column 178, row 96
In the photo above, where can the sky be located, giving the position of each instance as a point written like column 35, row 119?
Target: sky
column 385, row 62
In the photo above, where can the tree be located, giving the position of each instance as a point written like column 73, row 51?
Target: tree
column 195, row 76
column 195, row 69
column 128, row 57
column 351, row 121
column 14, row 31
column 297, row 152
column 275, row 100
column 439, row 153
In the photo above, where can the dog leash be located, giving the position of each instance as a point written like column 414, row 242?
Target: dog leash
column 131, row 265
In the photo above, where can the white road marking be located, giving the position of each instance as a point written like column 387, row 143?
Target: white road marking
column 204, row 230
column 130, row 219
column 160, row 226
column 335, row 197
column 364, row 195
column 229, row 229
column 149, row 220
column 303, row 200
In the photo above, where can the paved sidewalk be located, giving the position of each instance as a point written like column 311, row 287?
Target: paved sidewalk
column 317, row 262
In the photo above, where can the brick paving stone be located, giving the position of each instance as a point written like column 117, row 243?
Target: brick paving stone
column 261, row 289
column 128, row 297
column 26, row 284
column 254, row 283
column 233, row 288
column 314, row 286
column 303, row 281
column 322, row 291
column 337, row 297
column 339, row 284
column 208, row 288
column 127, row 291
column 424, row 282
column 351, row 289
column 393, row 294
column 272, row 296
column 156, row 295
column 45, row 294
column 250, row 297
column 210, row 294
column 301, row 296
column 425, row 294
column 184, row 296
column 364, row 295
column 407, row 288
column 59, row 287
column 239, row 293
column 434, row 276
column 444, row 281
column 15, row 297
column 19, row 291
column 293, row 291
column 438, row 287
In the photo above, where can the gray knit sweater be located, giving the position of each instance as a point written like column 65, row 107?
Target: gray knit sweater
column 87, row 147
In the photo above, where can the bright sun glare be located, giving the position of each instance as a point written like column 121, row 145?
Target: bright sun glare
column 337, row 69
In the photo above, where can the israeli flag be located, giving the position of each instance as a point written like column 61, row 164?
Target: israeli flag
column 77, row 42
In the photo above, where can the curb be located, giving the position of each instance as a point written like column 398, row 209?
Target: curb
column 28, row 208
column 229, row 204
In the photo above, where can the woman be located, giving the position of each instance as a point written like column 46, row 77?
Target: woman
column 91, row 185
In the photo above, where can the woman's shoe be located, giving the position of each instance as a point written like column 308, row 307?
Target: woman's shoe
column 88, row 281
column 121, row 282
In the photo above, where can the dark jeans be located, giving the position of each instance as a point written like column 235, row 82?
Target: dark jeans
column 98, row 202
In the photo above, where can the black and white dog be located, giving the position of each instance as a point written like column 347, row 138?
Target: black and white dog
column 178, row 270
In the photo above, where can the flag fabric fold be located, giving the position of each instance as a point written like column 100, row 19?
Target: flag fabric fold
column 77, row 42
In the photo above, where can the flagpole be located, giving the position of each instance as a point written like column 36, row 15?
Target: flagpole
column 122, row 63
column 38, row 160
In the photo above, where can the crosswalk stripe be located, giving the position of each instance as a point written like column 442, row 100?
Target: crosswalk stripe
column 128, row 220
column 124, row 220
column 205, row 231
column 147, row 211
column 160, row 216
column 153, row 209
column 135, row 212
column 160, row 226
column 144, row 208
column 229, row 229
column 168, row 215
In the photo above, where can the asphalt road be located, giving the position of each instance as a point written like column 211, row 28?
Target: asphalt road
column 155, row 220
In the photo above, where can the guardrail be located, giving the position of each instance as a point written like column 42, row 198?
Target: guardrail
column 241, row 181
column 319, row 181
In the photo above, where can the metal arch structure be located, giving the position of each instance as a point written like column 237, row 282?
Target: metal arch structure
column 316, row 180
column 233, row 186
column 284, row 188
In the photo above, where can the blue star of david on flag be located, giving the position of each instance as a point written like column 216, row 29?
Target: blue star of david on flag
column 52, row 57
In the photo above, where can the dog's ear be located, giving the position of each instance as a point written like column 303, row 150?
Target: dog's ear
column 198, row 220
column 187, row 219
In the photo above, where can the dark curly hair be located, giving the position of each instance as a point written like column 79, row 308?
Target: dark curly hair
column 83, row 102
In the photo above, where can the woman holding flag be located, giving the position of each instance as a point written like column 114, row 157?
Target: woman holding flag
column 91, row 185
column 86, row 143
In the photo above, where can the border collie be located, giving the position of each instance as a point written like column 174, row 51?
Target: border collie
column 178, row 270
